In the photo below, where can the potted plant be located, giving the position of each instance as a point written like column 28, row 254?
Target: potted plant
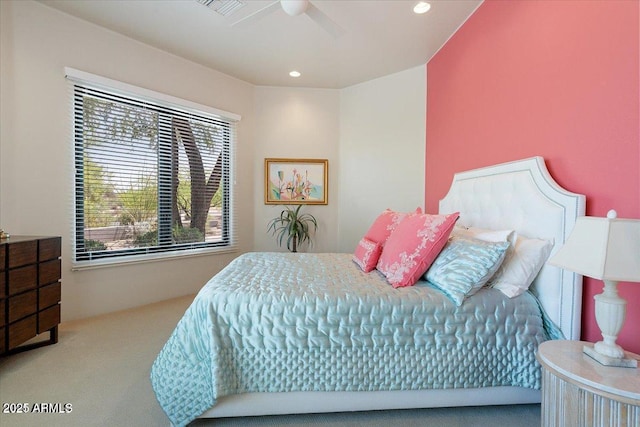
column 294, row 225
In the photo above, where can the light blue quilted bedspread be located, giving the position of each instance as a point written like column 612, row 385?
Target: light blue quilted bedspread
column 273, row 322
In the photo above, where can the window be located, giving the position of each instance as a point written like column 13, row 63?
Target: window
column 153, row 174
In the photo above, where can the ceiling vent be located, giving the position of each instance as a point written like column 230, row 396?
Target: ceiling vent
column 223, row 7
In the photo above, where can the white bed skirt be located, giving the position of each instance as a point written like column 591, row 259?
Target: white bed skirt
column 255, row 404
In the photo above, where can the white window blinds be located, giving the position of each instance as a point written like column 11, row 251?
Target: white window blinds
column 153, row 174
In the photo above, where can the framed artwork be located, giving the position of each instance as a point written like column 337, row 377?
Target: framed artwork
column 295, row 181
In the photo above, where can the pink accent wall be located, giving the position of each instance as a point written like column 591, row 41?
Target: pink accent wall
column 558, row 79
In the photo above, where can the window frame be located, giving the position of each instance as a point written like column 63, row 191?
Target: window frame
column 93, row 82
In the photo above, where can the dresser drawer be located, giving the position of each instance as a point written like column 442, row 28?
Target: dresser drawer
column 21, row 331
column 3, row 334
column 2, row 316
column 22, row 253
column 22, row 279
column 49, row 295
column 2, row 284
column 22, row 305
column 3, row 304
column 49, row 272
column 2, row 256
column 49, row 248
column 48, row 318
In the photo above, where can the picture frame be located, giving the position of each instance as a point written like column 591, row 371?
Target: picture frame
column 296, row 181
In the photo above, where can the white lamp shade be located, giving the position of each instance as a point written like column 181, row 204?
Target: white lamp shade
column 602, row 248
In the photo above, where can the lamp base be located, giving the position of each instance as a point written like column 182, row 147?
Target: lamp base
column 609, row 361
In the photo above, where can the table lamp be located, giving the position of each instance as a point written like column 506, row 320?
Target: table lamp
column 606, row 249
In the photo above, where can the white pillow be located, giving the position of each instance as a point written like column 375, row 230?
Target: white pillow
column 485, row 234
column 521, row 266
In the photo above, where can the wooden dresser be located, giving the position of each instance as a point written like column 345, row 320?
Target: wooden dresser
column 30, row 291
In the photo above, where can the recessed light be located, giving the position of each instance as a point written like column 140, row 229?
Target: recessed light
column 422, row 7
column 295, row 74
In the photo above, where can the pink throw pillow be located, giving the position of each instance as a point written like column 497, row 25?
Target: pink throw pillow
column 386, row 222
column 413, row 246
column 367, row 254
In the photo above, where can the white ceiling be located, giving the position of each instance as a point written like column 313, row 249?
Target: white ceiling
column 379, row 37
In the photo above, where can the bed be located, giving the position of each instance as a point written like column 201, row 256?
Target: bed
column 278, row 333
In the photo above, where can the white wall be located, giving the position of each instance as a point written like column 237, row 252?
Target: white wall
column 382, row 150
column 374, row 137
column 297, row 123
column 36, row 149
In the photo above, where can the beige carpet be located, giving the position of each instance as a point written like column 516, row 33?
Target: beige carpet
column 100, row 366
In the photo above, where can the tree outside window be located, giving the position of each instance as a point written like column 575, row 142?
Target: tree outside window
column 149, row 178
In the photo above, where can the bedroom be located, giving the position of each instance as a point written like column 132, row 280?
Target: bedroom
column 578, row 108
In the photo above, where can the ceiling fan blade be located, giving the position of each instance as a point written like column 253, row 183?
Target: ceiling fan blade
column 324, row 21
column 259, row 14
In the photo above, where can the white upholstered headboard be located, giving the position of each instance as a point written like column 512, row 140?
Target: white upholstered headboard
column 522, row 195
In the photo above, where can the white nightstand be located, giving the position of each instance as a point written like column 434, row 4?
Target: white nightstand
column 578, row 391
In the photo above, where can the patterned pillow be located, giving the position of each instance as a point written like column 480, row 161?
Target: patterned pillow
column 412, row 247
column 465, row 265
column 386, row 222
column 367, row 254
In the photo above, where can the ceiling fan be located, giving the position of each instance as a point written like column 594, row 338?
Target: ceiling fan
column 296, row 8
